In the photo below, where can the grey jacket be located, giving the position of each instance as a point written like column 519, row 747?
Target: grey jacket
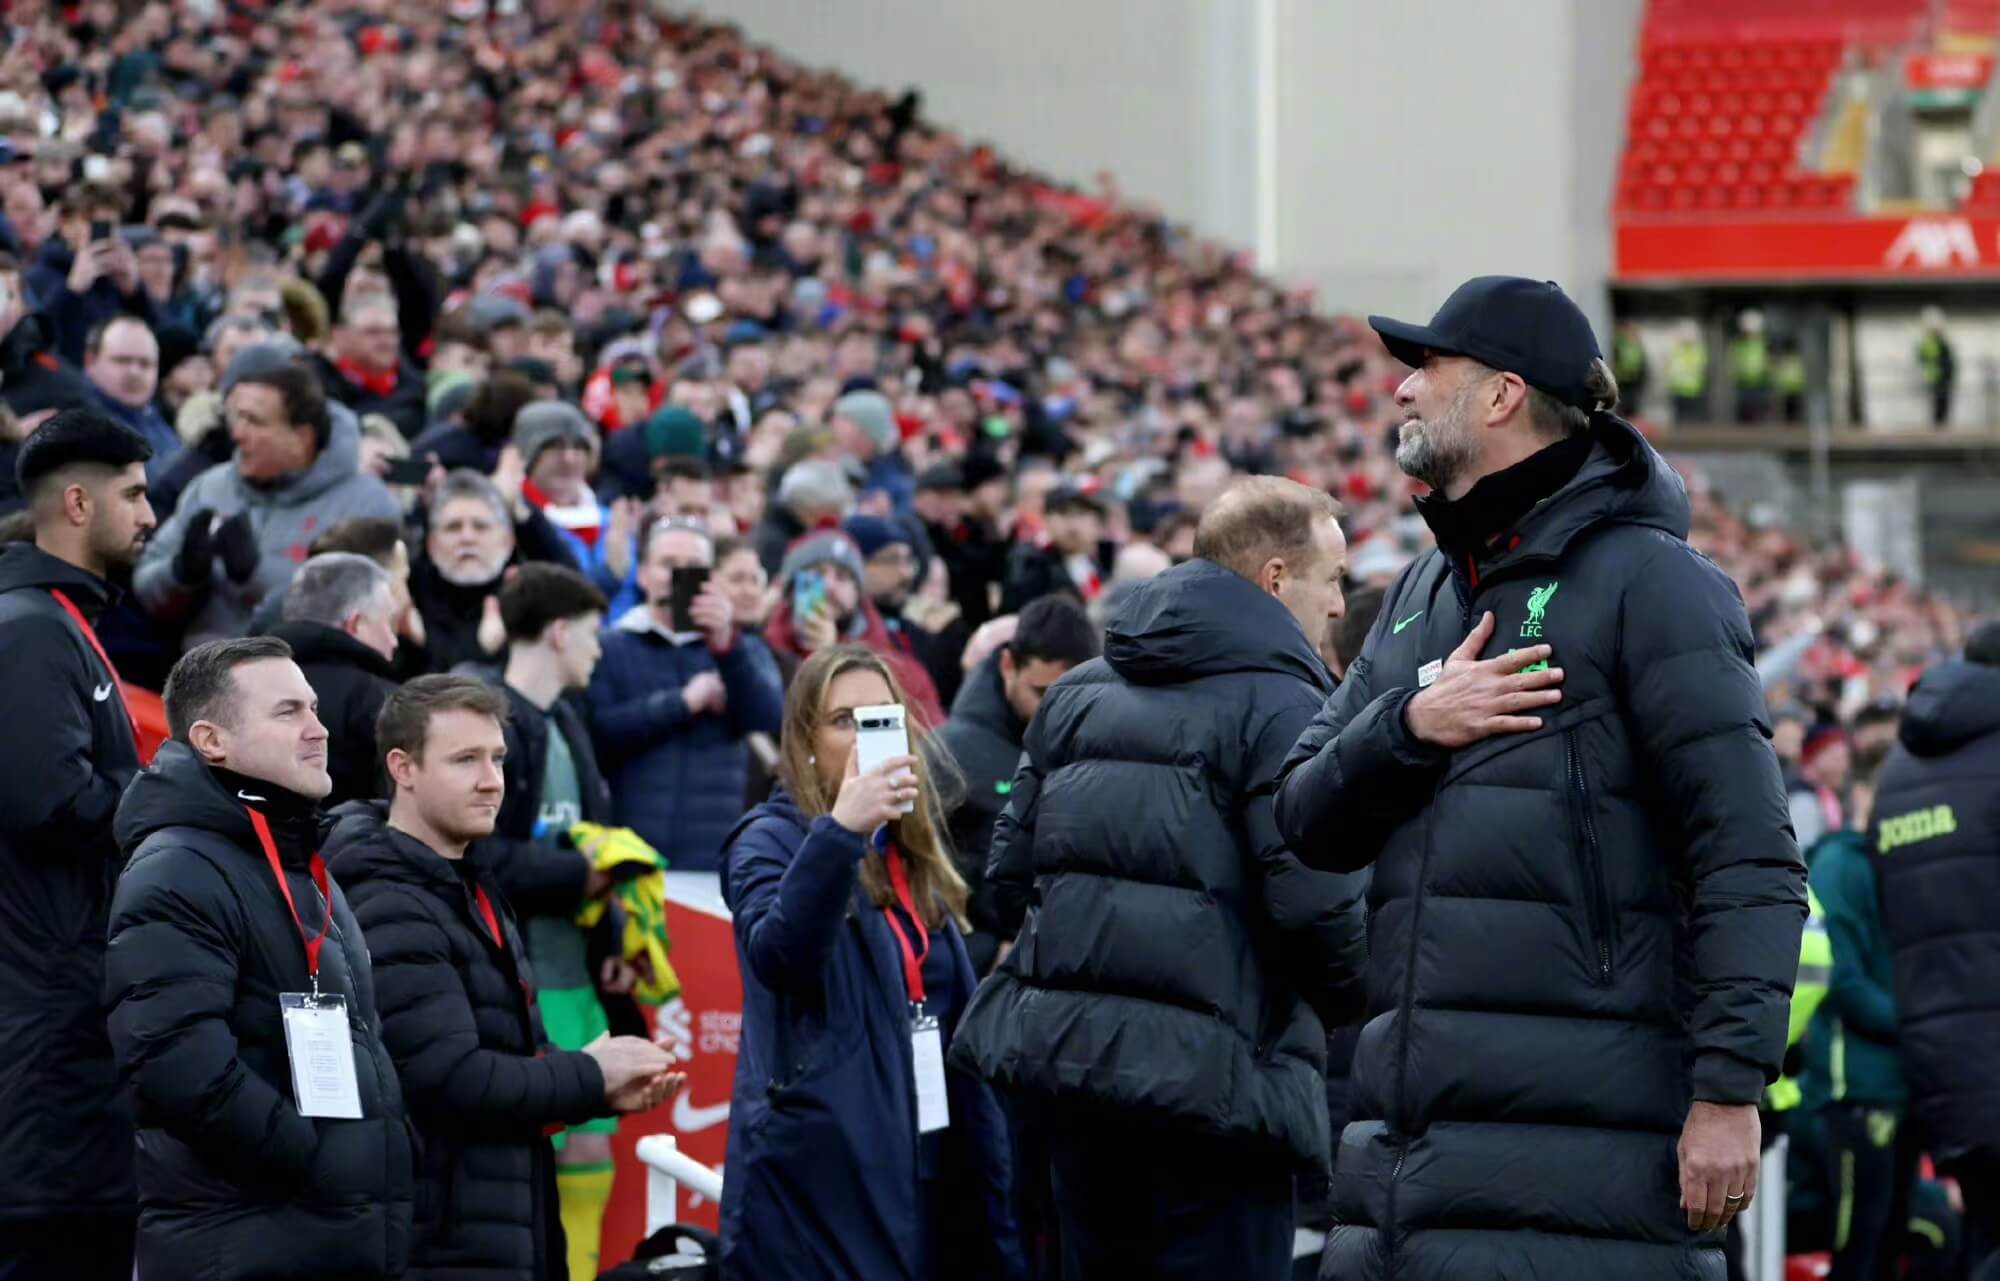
column 287, row 516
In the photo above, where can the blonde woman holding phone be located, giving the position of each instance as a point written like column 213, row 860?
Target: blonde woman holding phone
column 854, row 1154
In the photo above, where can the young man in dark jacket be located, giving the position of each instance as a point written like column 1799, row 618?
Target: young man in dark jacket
column 553, row 616
column 483, row 1086
column 67, row 1205
column 1586, row 903
column 232, row 954
column 1936, row 837
column 989, row 718
column 340, row 620
column 1158, row 1012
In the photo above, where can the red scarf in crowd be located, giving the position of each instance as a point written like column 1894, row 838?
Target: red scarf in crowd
column 378, row 382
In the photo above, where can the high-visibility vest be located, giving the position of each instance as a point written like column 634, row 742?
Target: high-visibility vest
column 1815, row 971
column 1752, row 357
column 1930, row 356
column 1788, row 374
column 1687, row 369
column 1628, row 359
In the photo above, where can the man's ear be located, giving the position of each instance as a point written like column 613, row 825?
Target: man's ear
column 1271, row 575
column 1008, row 667
column 402, row 767
column 209, row 740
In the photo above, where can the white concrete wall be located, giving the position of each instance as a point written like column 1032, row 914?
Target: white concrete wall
column 1415, row 143
column 1156, row 91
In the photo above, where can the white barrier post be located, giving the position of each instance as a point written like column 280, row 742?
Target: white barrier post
column 661, row 1189
column 1764, row 1226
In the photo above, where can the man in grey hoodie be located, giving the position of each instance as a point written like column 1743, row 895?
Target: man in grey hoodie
column 244, row 525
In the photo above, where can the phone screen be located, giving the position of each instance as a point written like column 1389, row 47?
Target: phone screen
column 100, row 230
column 407, row 471
column 688, row 581
column 808, row 593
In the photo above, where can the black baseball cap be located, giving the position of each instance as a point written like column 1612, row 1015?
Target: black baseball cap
column 1521, row 326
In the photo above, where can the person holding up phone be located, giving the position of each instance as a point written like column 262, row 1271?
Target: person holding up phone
column 821, row 604
column 679, row 690
column 87, row 275
column 854, row 1153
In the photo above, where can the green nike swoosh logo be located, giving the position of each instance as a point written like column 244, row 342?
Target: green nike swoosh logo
column 1406, row 622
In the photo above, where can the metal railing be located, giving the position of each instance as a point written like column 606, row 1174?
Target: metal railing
column 668, row 1169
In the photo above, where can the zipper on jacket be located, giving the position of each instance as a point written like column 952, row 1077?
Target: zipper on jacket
column 1596, row 901
column 1406, row 1012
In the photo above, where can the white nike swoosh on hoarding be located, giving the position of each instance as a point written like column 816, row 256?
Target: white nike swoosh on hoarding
column 688, row 1117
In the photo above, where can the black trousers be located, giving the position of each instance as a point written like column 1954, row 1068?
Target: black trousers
column 1140, row 1202
column 1979, row 1180
column 1872, row 1165
column 70, row 1248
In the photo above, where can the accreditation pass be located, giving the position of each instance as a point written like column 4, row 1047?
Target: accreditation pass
column 321, row 1049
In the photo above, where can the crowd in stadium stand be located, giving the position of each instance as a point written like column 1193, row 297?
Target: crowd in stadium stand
column 456, row 293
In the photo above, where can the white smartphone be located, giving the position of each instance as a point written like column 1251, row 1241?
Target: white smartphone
column 880, row 734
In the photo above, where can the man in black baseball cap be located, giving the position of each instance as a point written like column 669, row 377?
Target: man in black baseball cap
column 1499, row 343
column 1554, row 750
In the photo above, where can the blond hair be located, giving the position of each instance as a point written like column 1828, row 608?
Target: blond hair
column 919, row 835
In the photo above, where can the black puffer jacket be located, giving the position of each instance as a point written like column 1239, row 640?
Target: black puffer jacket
column 65, row 1130
column 537, row 875
column 1937, row 837
column 984, row 738
column 467, row 1039
column 233, row 1182
column 1166, row 970
column 1575, row 931
column 352, row 681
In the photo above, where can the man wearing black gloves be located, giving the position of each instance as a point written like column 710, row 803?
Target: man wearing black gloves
column 989, row 718
column 67, row 1205
column 1937, row 846
column 1586, row 903
column 272, row 1141
column 1157, row 1018
column 484, row 1086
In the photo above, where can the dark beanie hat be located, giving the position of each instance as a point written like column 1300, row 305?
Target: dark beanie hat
column 674, row 432
column 872, row 533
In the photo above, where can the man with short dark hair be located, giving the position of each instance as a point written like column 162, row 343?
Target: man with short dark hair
column 122, row 360
column 340, row 620
column 67, row 1204
column 242, row 526
column 272, row 1140
column 1586, row 902
column 989, row 718
column 460, row 1015
column 1068, row 556
column 553, row 616
column 1160, row 1020
column 1936, row 840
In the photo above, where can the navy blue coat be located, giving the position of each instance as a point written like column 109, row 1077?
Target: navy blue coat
column 821, row 1182
column 679, row 780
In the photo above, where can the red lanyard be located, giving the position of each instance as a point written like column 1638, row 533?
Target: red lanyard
column 317, row 866
column 492, row 920
column 90, row 635
column 913, row 957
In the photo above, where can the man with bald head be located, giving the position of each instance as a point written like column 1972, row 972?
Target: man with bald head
column 1160, row 1018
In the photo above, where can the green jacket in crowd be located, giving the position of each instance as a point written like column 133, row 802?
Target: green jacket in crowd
column 1851, row 1051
